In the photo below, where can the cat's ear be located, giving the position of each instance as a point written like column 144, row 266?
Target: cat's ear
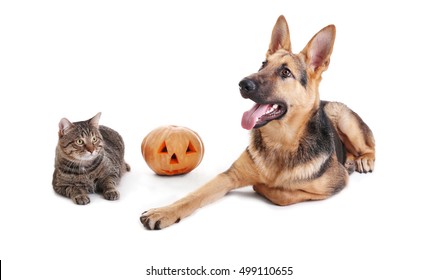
column 64, row 125
column 94, row 121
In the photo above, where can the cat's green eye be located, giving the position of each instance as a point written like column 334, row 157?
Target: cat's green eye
column 79, row 142
column 94, row 139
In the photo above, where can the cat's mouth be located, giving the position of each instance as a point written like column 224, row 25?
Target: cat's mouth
column 87, row 156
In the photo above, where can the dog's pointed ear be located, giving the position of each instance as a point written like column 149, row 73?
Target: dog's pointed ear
column 280, row 38
column 319, row 49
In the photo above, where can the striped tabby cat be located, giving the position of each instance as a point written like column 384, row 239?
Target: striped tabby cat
column 88, row 158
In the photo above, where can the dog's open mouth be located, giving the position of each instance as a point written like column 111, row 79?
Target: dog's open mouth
column 261, row 114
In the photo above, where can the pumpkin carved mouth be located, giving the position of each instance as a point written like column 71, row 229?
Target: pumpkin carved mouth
column 260, row 114
column 175, row 171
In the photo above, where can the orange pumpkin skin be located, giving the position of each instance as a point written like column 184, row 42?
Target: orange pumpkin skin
column 172, row 150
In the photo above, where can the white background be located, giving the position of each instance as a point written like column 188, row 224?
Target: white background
column 145, row 64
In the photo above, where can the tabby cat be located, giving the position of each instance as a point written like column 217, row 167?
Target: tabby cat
column 89, row 157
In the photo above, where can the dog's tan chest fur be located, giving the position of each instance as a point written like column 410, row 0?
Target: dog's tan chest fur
column 277, row 170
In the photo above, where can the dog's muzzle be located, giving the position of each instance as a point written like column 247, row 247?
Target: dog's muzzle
column 247, row 87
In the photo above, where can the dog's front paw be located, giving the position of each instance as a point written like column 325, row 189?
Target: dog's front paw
column 159, row 218
column 365, row 163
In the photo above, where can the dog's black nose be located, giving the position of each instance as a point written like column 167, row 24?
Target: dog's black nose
column 247, row 87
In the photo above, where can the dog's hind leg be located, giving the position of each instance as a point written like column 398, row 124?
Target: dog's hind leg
column 283, row 197
column 355, row 134
column 322, row 187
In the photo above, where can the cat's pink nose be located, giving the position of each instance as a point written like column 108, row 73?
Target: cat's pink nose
column 89, row 148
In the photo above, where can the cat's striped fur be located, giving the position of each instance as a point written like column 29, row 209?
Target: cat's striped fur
column 89, row 158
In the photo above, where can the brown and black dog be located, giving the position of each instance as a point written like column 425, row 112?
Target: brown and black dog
column 301, row 148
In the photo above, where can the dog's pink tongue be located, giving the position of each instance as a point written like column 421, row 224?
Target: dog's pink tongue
column 249, row 118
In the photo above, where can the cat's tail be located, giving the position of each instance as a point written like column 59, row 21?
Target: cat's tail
column 127, row 167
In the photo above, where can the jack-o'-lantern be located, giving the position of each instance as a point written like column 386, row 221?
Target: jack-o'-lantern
column 172, row 150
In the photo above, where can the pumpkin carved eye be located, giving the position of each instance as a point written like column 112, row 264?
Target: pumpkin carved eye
column 163, row 148
column 190, row 148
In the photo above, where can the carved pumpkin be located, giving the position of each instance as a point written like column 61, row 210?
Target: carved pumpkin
column 172, row 150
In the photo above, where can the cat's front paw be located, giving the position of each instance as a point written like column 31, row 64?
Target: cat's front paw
column 111, row 194
column 81, row 199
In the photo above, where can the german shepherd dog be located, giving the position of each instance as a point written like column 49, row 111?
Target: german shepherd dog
column 301, row 148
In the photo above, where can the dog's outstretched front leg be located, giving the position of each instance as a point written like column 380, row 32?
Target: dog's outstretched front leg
column 159, row 218
column 240, row 174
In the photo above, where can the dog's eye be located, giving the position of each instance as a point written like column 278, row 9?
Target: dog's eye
column 285, row 73
column 263, row 65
